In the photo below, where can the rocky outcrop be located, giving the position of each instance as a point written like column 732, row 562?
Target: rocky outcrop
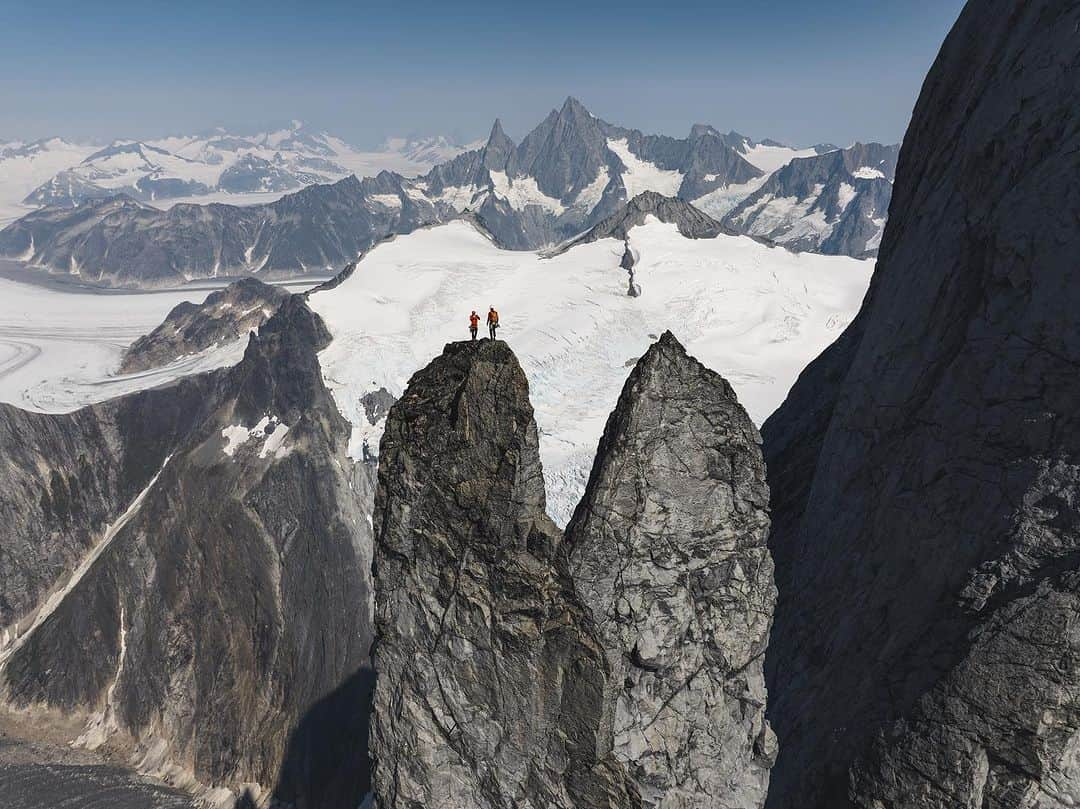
column 225, row 316
column 185, row 568
column 517, row 668
column 924, row 650
column 491, row 683
column 692, row 223
column 668, row 551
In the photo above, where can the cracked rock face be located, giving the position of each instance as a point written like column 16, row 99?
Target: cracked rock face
column 620, row 668
column 491, row 686
column 668, row 550
column 927, row 527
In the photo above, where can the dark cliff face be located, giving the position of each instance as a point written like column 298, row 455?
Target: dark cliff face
column 208, row 561
column 926, row 467
column 668, row 550
column 505, row 677
column 66, row 477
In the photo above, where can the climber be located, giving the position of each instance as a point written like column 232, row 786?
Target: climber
column 492, row 321
column 474, row 323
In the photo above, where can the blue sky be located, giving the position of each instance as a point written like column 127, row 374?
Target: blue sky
column 801, row 71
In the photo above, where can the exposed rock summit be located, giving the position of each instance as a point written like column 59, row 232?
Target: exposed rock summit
column 668, row 551
column 618, row 667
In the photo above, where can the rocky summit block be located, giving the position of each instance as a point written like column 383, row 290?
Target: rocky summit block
column 490, row 682
column 620, row 667
column 668, row 551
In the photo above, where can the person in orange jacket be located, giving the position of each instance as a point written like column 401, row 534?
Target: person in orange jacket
column 492, row 321
column 474, row 323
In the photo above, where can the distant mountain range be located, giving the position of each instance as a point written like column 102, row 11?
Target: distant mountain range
column 217, row 166
column 834, row 203
column 570, row 173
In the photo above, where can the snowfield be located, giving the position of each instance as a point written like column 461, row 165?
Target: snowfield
column 773, row 158
column 756, row 314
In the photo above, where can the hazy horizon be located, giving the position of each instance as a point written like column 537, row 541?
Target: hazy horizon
column 803, row 73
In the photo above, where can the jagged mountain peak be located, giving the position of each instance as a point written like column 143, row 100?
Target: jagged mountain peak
column 219, row 489
column 568, row 174
column 711, row 507
column 564, row 153
column 225, row 315
column 498, row 149
column 572, row 107
column 667, row 342
column 736, row 140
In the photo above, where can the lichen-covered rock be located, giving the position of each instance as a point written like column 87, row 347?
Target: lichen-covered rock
column 927, row 468
column 668, row 550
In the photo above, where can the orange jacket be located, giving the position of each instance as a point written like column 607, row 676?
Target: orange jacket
column 493, row 317
column 474, row 320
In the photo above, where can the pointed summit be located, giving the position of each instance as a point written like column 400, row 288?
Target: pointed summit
column 573, row 107
column 498, row 149
column 540, row 674
column 706, row 623
column 565, row 152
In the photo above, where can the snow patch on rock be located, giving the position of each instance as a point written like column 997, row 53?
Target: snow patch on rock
column 641, row 175
column 722, row 201
column 846, row 194
column 270, row 430
column 868, row 173
column 521, row 192
column 386, row 200
column 459, row 197
column 773, row 158
column 589, row 196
